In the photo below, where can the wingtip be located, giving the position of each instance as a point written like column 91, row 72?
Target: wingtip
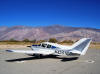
column 9, row 50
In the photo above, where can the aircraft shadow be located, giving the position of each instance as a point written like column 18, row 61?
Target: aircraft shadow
column 69, row 59
column 21, row 59
column 45, row 57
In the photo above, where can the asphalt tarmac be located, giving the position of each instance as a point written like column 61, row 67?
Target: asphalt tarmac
column 14, row 63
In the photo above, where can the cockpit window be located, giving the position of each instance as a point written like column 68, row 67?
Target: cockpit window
column 48, row 46
column 43, row 45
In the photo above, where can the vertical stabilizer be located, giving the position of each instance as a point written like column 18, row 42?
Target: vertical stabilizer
column 82, row 45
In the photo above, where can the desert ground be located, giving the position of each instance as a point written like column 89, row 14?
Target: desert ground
column 14, row 63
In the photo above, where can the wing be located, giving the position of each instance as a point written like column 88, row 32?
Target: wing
column 44, row 52
column 21, row 51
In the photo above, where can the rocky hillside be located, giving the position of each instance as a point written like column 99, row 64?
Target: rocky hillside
column 55, row 31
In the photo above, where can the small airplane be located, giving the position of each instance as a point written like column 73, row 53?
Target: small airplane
column 46, row 48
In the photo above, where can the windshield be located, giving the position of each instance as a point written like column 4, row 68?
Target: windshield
column 44, row 45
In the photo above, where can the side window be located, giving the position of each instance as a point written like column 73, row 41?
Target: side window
column 48, row 46
column 44, row 45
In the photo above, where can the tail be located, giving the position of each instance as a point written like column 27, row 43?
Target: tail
column 82, row 45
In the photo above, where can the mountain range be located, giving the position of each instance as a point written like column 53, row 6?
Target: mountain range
column 44, row 33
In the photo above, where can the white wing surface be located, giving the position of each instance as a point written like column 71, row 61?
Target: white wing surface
column 44, row 52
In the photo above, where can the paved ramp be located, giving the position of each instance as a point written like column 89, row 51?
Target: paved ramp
column 12, row 63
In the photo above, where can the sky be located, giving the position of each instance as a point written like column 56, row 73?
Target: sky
column 76, row 13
